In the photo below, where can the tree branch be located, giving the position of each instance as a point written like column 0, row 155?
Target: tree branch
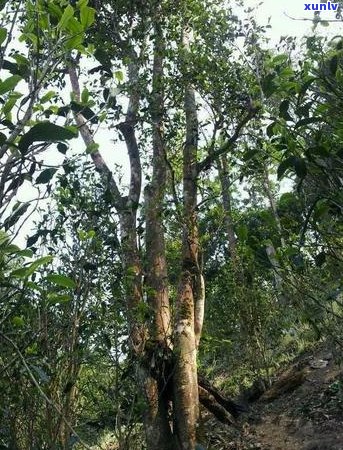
column 207, row 162
column 128, row 131
column 315, row 21
column 88, row 139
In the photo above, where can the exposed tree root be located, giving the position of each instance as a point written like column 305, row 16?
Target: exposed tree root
column 223, row 408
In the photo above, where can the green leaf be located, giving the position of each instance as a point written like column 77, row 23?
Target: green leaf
column 27, row 253
column 268, row 85
column 320, row 259
column 61, row 280
column 85, row 111
column 3, row 35
column 62, row 148
column 92, row 148
column 119, row 75
column 45, row 176
column 13, row 97
column 300, row 167
column 333, row 65
column 307, row 121
column 85, row 95
column 102, row 56
column 307, row 84
column 242, row 232
column 11, row 249
column 284, row 105
column 18, row 321
column 16, row 215
column 75, row 42
column 9, row 84
column 32, row 349
column 107, row 341
column 75, row 28
column 321, row 150
column 43, row 261
column 32, row 240
column 25, row 272
column 271, row 129
column 21, row 60
column 19, row 273
column 87, row 16
column 54, row 10
column 68, row 13
column 3, row 138
column 280, row 59
column 46, row 132
column 48, row 96
column 284, row 166
column 11, row 67
column 250, row 154
column 34, row 287
column 54, row 298
column 3, row 4
column 4, row 237
column 322, row 208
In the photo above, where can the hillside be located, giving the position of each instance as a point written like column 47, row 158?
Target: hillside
column 303, row 410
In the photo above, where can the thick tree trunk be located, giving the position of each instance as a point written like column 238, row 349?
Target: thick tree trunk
column 156, row 420
column 132, row 278
column 156, row 271
column 186, row 400
column 190, row 298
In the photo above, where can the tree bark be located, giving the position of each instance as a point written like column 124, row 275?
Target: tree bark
column 157, row 427
column 190, row 293
column 224, row 176
column 156, row 271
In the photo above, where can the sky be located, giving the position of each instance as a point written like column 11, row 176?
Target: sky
column 279, row 12
column 282, row 25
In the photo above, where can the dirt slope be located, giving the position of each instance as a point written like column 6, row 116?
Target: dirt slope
column 303, row 410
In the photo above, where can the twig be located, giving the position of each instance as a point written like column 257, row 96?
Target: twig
column 312, row 20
